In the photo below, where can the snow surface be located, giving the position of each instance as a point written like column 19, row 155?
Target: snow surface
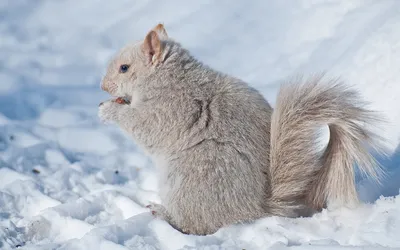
column 69, row 182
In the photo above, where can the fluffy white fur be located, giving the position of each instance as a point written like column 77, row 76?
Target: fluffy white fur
column 224, row 155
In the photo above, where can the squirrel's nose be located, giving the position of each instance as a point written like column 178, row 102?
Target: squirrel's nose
column 104, row 86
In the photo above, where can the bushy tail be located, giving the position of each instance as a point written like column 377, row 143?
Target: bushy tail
column 303, row 177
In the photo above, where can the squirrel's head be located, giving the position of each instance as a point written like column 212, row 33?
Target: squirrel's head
column 134, row 62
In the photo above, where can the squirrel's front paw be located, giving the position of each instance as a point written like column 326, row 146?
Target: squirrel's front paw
column 108, row 110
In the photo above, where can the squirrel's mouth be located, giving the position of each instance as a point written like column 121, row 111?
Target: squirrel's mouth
column 115, row 94
column 127, row 99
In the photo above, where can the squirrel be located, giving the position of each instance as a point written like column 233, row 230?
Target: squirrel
column 223, row 154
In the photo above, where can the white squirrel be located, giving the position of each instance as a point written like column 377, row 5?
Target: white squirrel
column 224, row 155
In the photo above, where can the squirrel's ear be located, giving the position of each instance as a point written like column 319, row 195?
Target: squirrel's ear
column 162, row 33
column 153, row 47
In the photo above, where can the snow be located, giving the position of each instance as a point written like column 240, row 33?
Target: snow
column 67, row 181
column 8, row 176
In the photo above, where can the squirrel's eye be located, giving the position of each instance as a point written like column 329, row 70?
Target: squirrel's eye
column 123, row 68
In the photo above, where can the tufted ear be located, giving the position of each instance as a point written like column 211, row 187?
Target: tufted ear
column 160, row 30
column 152, row 47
